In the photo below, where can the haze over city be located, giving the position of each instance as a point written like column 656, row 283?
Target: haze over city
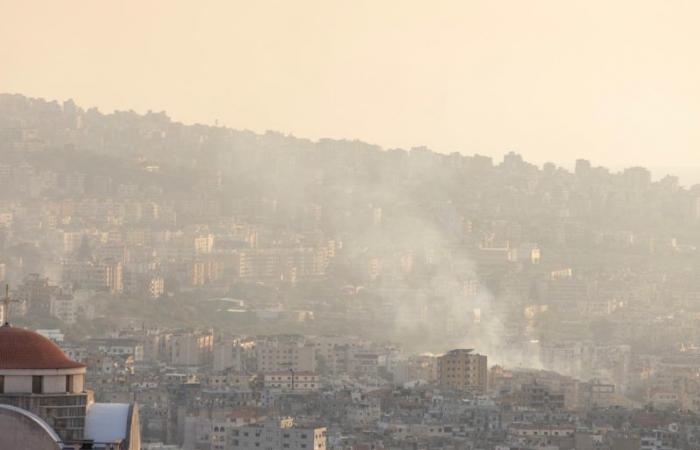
column 326, row 225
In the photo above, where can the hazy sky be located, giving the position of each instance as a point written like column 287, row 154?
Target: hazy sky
column 617, row 81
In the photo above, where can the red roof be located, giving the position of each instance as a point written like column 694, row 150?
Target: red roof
column 25, row 349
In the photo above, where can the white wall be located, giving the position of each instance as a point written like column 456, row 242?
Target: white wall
column 54, row 384
column 18, row 384
column 78, row 383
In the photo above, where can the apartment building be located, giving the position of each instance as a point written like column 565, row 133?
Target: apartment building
column 292, row 381
column 277, row 434
column 463, row 370
column 283, row 354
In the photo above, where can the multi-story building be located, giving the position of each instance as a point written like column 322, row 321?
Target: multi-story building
column 277, row 434
column 227, row 356
column 35, row 294
column 203, row 244
column 282, row 354
column 204, row 271
column 106, row 275
column 462, row 370
column 190, row 349
column 121, row 347
column 292, row 381
column 62, row 307
column 282, row 264
column 363, row 411
column 363, row 363
column 149, row 284
column 539, row 396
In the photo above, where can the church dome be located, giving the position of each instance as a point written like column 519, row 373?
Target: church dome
column 26, row 349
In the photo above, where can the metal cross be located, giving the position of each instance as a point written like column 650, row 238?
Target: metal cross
column 6, row 304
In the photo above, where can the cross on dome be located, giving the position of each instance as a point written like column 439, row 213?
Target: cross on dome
column 6, row 305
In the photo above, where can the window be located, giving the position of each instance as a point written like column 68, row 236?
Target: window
column 69, row 383
column 2, row 384
column 37, row 381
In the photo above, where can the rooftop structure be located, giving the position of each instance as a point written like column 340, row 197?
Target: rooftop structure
column 43, row 386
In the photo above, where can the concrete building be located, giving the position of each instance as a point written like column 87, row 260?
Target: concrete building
column 292, row 381
column 539, row 396
column 48, row 389
column 35, row 294
column 63, row 307
column 35, row 375
column 280, row 355
column 190, row 348
column 463, row 370
column 277, row 434
column 119, row 347
column 227, row 356
column 282, row 263
column 204, row 272
column 107, row 275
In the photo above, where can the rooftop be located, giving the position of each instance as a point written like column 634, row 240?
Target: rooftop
column 25, row 349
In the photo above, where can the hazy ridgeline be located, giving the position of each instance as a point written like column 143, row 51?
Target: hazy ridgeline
column 413, row 224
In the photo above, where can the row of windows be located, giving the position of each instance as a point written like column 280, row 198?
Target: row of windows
column 288, row 377
column 257, row 434
column 547, row 433
column 38, row 384
column 257, row 444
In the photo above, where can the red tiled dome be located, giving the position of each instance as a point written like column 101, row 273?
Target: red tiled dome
column 25, row 349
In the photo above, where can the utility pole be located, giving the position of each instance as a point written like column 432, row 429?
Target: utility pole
column 291, row 371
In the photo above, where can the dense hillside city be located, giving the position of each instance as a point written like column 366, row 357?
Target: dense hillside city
column 242, row 286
